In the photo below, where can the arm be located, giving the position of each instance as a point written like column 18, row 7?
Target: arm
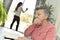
column 25, row 10
column 29, row 30
column 51, row 35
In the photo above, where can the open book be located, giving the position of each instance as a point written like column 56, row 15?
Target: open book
column 12, row 34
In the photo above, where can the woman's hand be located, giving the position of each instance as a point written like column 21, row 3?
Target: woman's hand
column 37, row 21
column 21, row 38
column 26, row 9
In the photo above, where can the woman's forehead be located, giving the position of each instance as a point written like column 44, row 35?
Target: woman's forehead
column 39, row 11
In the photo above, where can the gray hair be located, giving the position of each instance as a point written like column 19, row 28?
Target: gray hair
column 44, row 8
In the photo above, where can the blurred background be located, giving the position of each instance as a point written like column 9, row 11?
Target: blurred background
column 55, row 14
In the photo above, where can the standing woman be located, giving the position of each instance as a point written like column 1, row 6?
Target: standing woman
column 17, row 15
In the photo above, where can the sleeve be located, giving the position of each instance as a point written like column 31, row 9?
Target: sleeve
column 29, row 30
column 51, row 35
column 22, row 10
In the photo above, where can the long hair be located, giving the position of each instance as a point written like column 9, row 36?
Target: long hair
column 18, row 5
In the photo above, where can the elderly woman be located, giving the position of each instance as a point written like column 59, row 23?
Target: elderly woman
column 42, row 28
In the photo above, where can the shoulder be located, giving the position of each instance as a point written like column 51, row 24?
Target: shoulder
column 50, row 27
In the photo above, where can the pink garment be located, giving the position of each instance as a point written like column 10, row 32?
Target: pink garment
column 42, row 33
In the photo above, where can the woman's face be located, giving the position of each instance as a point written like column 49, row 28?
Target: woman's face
column 40, row 16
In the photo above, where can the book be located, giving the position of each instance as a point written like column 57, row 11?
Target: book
column 12, row 34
